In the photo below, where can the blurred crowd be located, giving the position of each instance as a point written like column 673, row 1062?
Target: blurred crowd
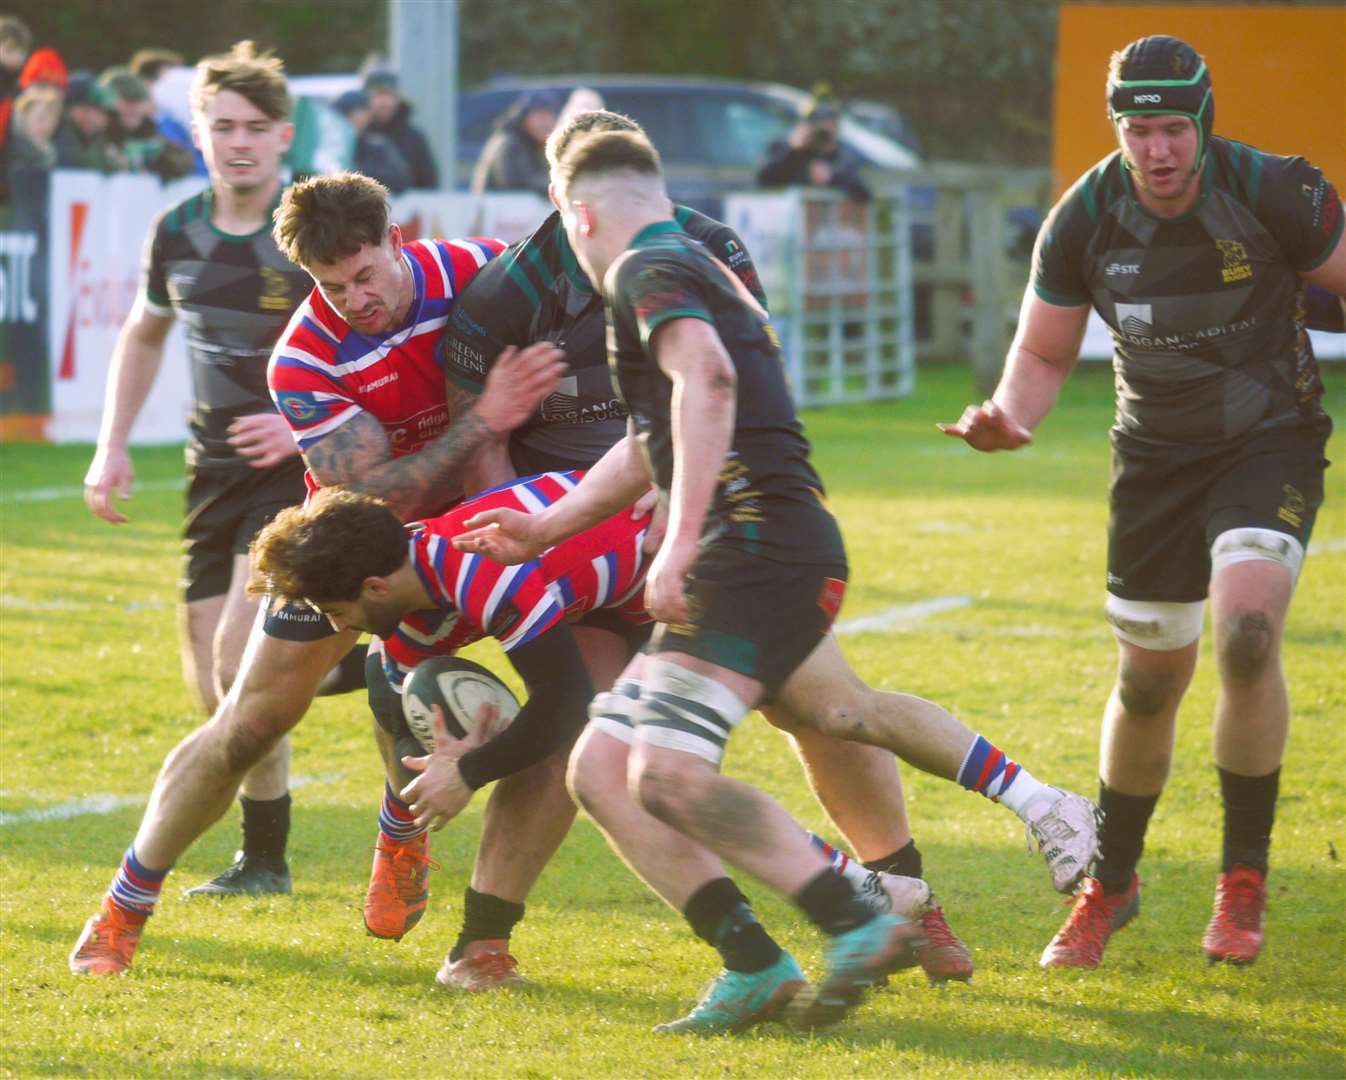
column 133, row 118
column 53, row 117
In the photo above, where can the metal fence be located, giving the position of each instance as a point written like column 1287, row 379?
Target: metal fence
column 931, row 269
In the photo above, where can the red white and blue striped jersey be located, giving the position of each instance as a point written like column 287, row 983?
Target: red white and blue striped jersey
column 323, row 371
column 602, row 567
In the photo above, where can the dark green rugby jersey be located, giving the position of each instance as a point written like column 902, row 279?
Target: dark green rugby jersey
column 536, row 291
column 769, row 499
column 234, row 295
column 1207, row 309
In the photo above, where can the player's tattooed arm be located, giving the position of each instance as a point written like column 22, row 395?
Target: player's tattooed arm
column 490, row 465
column 357, row 455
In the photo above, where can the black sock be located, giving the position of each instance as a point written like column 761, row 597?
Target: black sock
column 905, row 861
column 348, row 675
column 485, row 918
column 266, row 828
column 1122, row 837
column 832, row 904
column 1249, row 810
column 720, row 915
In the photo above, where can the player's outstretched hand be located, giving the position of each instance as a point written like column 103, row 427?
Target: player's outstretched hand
column 988, row 427
column 110, row 473
column 439, row 794
column 264, row 439
column 519, row 380
column 502, row 535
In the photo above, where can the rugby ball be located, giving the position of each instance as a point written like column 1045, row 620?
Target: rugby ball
column 457, row 686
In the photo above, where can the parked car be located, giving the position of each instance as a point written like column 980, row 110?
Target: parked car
column 713, row 134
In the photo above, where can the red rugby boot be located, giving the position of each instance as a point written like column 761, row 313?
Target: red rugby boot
column 1235, row 931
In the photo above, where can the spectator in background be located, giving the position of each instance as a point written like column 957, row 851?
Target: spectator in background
column 375, row 155
column 44, row 67
column 82, row 140
column 813, row 156
column 15, row 42
column 37, row 114
column 151, row 66
column 513, row 158
column 392, row 119
column 134, row 134
column 581, row 99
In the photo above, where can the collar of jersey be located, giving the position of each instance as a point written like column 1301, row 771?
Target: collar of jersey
column 1207, row 181
column 437, row 591
column 654, row 231
column 208, row 195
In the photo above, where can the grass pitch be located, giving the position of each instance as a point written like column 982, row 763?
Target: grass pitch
column 92, row 699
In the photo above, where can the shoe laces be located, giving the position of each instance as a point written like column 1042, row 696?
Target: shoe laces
column 114, row 931
column 1241, row 900
column 406, row 857
column 1090, row 916
column 937, row 931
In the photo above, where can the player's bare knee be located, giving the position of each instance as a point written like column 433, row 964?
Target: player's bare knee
column 1246, row 644
column 1149, row 694
column 843, row 717
column 661, row 785
column 598, row 763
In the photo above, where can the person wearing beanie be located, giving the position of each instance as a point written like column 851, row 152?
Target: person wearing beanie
column 1196, row 250
column 82, row 142
column 391, row 118
column 134, row 133
column 375, row 155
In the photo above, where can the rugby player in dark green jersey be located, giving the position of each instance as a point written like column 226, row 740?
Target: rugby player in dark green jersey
column 537, row 290
column 211, row 263
column 1196, row 251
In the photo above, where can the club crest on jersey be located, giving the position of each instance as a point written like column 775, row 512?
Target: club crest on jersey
column 275, row 291
column 298, row 407
column 1235, row 255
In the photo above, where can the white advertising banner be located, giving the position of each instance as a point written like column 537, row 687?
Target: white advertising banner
column 96, row 232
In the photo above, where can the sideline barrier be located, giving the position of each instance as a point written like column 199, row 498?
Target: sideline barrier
column 932, row 269
column 838, row 275
column 69, row 272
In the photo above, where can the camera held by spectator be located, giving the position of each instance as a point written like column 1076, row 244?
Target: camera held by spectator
column 813, row 155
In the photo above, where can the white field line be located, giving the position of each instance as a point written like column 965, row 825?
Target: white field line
column 903, row 613
column 23, row 603
column 108, row 804
column 1322, row 547
column 53, row 494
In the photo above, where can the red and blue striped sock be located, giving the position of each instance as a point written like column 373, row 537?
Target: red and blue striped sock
column 987, row 771
column 136, row 888
column 396, row 821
